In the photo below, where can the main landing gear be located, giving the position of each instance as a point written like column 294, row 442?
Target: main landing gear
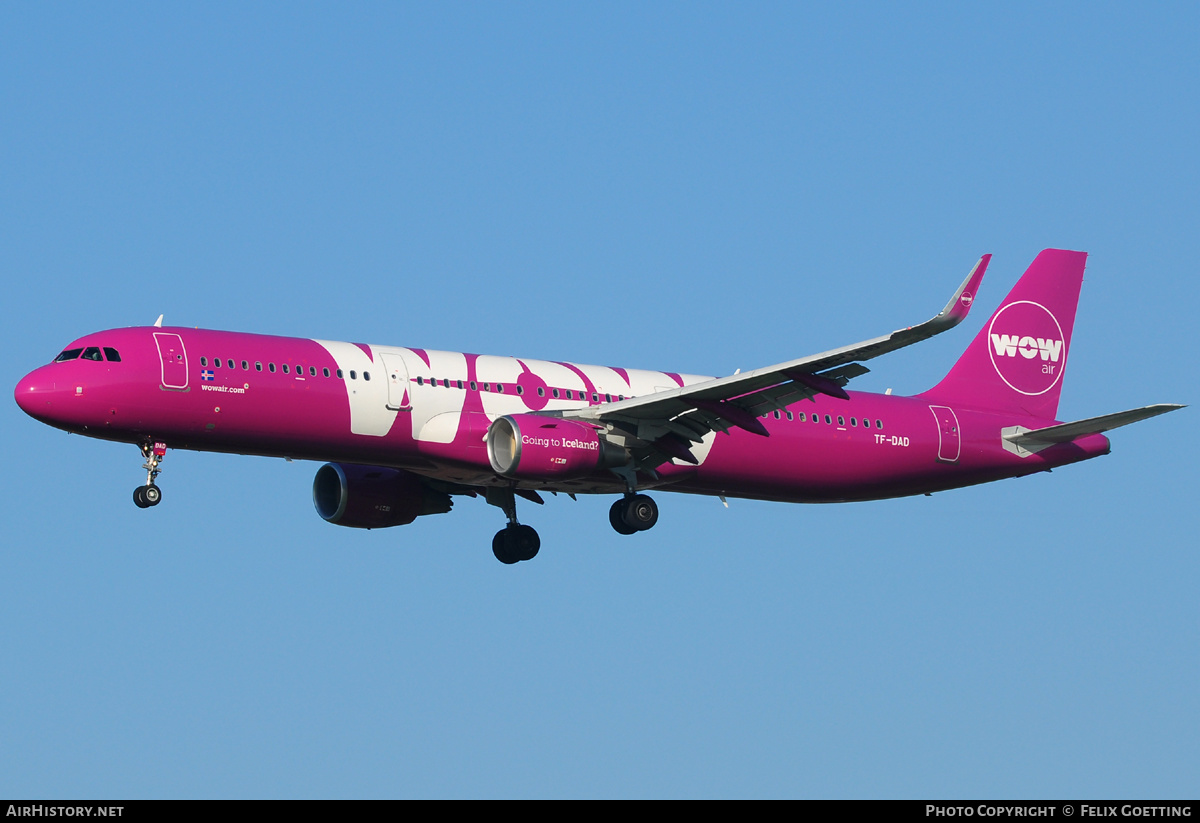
column 514, row 542
column 633, row 513
column 150, row 494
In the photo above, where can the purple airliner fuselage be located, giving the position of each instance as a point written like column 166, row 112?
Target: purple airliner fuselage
column 404, row 429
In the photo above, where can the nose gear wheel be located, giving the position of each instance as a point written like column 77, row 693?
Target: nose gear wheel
column 150, row 494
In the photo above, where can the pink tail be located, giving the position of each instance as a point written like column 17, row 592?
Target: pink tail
column 1017, row 361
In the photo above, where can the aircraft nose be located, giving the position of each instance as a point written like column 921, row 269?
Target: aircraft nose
column 35, row 393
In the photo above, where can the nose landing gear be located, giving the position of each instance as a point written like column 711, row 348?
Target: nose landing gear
column 150, row 494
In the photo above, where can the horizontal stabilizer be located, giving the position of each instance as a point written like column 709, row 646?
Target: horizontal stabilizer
column 1066, row 432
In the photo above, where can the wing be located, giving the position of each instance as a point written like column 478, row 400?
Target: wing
column 661, row 426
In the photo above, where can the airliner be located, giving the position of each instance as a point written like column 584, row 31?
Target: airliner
column 402, row 431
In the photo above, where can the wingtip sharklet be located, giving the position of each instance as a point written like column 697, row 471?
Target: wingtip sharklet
column 960, row 304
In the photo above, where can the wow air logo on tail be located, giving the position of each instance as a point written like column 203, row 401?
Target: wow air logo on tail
column 1027, row 347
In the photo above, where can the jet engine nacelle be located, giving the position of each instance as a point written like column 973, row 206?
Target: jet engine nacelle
column 372, row 497
column 533, row 447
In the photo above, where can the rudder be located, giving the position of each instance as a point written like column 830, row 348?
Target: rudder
column 1016, row 362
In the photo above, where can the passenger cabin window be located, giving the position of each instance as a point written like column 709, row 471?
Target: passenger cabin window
column 555, row 393
column 879, row 424
column 112, row 355
column 312, row 371
column 541, row 392
column 366, row 375
column 285, row 368
column 229, row 363
column 69, row 354
column 271, row 366
column 841, row 420
column 354, row 375
column 203, row 361
column 339, row 374
column 325, row 371
column 258, row 365
column 245, row 366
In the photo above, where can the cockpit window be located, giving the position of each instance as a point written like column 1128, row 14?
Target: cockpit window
column 69, row 354
column 93, row 353
column 112, row 355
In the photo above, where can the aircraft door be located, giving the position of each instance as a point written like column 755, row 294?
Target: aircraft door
column 397, row 377
column 173, row 358
column 949, row 439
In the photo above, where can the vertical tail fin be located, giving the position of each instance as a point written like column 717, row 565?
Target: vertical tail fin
column 1016, row 362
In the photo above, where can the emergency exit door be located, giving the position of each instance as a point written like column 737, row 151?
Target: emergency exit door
column 949, row 438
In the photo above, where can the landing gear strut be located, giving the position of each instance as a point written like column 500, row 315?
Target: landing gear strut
column 150, row 494
column 514, row 542
column 633, row 513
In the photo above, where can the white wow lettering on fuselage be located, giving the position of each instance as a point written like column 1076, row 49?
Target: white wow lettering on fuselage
column 1010, row 345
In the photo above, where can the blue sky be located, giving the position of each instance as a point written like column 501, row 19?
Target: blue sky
column 691, row 187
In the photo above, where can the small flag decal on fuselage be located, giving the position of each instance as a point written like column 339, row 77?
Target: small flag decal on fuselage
column 206, row 374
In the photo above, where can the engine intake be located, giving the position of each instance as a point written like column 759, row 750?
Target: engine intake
column 372, row 497
column 533, row 447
